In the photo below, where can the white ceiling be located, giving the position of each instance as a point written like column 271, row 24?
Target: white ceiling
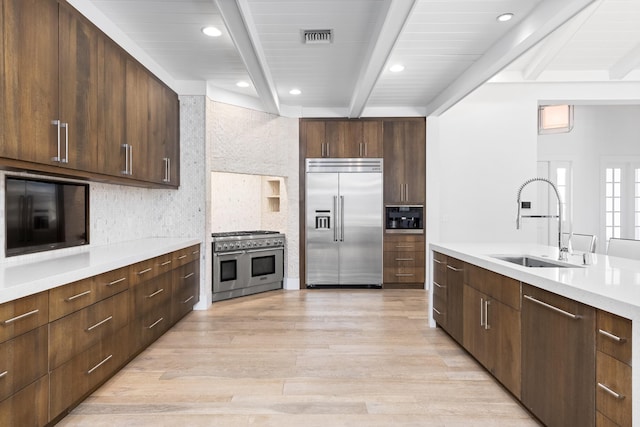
column 448, row 47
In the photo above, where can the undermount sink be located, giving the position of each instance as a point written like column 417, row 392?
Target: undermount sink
column 531, row 261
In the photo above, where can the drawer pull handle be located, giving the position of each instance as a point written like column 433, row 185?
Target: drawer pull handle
column 438, row 285
column 165, row 263
column 188, row 299
column 182, row 257
column 188, row 275
column 155, row 323
column 404, row 246
column 436, row 310
column 91, row 328
column 146, row 270
column 195, row 252
column 611, row 392
column 551, row 307
column 77, row 296
column 90, row 371
column 454, row 269
column 3, row 374
column 404, row 274
column 438, row 261
column 22, row 316
column 156, row 293
column 115, row 282
column 405, row 259
column 613, row 337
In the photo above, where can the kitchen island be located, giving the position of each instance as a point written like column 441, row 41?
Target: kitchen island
column 607, row 284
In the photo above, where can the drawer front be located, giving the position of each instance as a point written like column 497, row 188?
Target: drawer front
column 613, row 389
column 164, row 263
column 80, row 375
column 404, row 275
column 77, row 332
column 186, row 291
column 439, row 311
column 186, row 255
column 151, row 294
column 23, row 360
column 111, row 282
column 23, row 315
column 614, row 336
column 410, row 246
column 440, row 291
column 496, row 286
column 28, row 407
column 142, row 271
column 75, row 296
column 439, row 268
column 150, row 326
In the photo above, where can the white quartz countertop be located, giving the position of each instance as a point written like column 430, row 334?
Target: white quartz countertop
column 20, row 279
column 609, row 283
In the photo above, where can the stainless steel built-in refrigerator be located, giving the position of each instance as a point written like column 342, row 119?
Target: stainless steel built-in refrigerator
column 344, row 222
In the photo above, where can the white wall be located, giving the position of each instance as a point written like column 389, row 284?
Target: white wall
column 484, row 148
column 601, row 132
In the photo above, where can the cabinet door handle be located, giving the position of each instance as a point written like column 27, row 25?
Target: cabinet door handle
column 146, row 270
column 22, row 316
column 66, row 143
column 90, row 371
column 404, row 274
column 482, row 312
column 436, row 310
column 126, row 159
column 611, row 336
column 438, row 261
column 154, row 324
column 405, row 259
column 438, row 285
column 188, row 275
column 102, row 322
column 3, row 374
column 611, row 392
column 58, row 124
column 365, row 148
column 454, row 269
column 551, row 307
column 76, row 296
column 404, row 246
column 115, row 282
column 486, row 314
column 188, row 299
column 159, row 291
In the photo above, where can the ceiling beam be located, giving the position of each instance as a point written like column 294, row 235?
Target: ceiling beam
column 239, row 22
column 396, row 14
column 626, row 64
column 544, row 19
column 553, row 44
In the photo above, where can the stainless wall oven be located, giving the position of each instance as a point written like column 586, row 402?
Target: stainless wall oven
column 246, row 262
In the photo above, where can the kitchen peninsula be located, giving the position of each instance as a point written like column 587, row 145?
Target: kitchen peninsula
column 561, row 339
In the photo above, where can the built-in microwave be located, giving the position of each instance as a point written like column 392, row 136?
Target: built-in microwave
column 404, row 219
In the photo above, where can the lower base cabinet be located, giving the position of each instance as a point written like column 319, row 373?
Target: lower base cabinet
column 558, row 358
column 29, row 407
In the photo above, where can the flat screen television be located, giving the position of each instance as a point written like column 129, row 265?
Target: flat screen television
column 42, row 215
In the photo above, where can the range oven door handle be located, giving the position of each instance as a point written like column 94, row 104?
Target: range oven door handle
column 228, row 253
column 250, row 251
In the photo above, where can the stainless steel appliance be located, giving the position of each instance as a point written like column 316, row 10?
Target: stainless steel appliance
column 247, row 262
column 344, row 223
column 406, row 219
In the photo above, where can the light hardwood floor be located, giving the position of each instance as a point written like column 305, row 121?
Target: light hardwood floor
column 309, row 358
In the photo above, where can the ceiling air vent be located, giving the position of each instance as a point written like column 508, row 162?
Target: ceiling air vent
column 317, row 36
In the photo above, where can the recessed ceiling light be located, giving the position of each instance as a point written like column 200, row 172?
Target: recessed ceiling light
column 396, row 68
column 295, row 91
column 505, row 17
column 212, row 31
column 242, row 84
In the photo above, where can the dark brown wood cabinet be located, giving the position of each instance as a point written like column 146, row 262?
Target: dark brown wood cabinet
column 65, row 105
column 448, row 282
column 558, row 358
column 404, row 142
column 613, row 370
column 404, row 261
column 491, row 329
column 341, row 138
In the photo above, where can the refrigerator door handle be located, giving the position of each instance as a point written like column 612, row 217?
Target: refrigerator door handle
column 335, row 224
column 342, row 218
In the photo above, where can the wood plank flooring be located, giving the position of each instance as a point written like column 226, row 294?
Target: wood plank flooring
column 310, row 358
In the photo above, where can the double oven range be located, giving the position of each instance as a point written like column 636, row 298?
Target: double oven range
column 246, row 262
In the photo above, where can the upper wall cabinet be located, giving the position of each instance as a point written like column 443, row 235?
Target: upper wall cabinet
column 65, row 104
column 341, row 138
column 404, row 142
